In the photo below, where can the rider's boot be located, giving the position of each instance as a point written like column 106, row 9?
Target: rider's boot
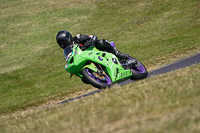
column 120, row 54
column 103, row 44
column 116, row 52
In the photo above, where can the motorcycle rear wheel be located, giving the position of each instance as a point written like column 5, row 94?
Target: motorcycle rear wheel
column 139, row 72
column 96, row 80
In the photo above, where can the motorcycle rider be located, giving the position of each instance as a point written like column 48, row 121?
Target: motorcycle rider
column 66, row 42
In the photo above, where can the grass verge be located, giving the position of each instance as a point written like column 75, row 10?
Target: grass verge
column 159, row 104
column 31, row 65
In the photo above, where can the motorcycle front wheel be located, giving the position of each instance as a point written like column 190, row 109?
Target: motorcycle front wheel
column 95, row 79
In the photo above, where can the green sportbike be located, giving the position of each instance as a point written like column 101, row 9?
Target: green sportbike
column 100, row 68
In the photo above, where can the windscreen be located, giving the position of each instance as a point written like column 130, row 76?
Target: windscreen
column 68, row 50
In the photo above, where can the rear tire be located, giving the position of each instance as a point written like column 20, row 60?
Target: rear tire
column 92, row 78
column 138, row 72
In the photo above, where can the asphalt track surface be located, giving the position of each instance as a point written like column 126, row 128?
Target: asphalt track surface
column 171, row 67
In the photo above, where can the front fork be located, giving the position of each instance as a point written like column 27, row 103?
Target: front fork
column 93, row 67
column 98, row 72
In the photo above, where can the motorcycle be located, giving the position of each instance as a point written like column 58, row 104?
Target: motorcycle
column 100, row 68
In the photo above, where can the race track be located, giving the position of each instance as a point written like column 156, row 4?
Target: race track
column 171, row 67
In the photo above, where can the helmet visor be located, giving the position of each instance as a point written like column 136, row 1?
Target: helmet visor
column 65, row 43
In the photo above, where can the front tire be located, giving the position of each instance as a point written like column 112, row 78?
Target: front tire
column 95, row 80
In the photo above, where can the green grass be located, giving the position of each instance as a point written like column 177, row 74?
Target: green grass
column 160, row 104
column 32, row 69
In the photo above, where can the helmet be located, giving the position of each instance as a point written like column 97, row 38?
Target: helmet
column 64, row 38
